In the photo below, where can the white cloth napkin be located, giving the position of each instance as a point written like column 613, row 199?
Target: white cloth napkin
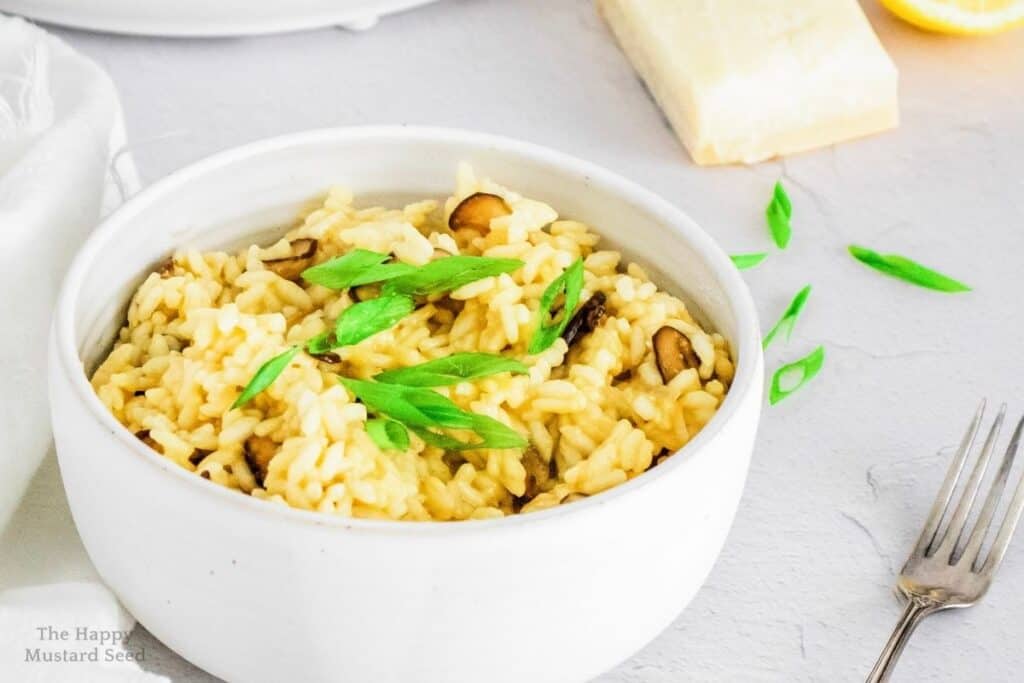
column 60, row 128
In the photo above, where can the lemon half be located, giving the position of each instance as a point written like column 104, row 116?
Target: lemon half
column 969, row 17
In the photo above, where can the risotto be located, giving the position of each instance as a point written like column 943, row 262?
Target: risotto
column 468, row 359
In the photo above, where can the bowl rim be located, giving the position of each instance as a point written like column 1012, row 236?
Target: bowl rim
column 747, row 343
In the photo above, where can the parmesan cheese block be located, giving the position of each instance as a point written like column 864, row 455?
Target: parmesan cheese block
column 747, row 80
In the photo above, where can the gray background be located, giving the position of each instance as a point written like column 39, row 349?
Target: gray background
column 844, row 471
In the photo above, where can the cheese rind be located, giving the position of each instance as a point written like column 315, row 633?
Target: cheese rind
column 747, row 80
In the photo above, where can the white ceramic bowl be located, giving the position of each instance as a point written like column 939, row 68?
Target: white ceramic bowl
column 252, row 591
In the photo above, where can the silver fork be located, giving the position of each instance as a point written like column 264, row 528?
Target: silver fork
column 944, row 571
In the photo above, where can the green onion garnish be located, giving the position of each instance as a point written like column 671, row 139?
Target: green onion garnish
column 387, row 434
column 358, row 267
column 778, row 213
column 492, row 433
column 744, row 261
column 367, row 318
column 265, row 376
column 788, row 319
column 808, row 367
column 424, row 410
column 449, row 273
column 360, row 321
column 321, row 343
column 903, row 268
column 458, row 367
column 569, row 283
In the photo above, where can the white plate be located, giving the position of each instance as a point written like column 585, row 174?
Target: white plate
column 190, row 18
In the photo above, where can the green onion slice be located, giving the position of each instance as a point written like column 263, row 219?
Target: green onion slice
column 449, row 273
column 904, row 269
column 744, row 261
column 265, row 376
column 367, row 318
column 358, row 267
column 458, row 367
column 788, row 319
column 778, row 214
column 388, row 434
column 423, row 411
column 808, row 367
column 569, row 284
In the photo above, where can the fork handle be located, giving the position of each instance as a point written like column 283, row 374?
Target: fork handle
column 913, row 613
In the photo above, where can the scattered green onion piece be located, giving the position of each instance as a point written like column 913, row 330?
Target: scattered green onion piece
column 449, row 273
column 367, row 318
column 265, row 376
column 744, row 261
column 458, row 367
column 387, row 434
column 778, row 213
column 788, row 319
column 903, row 268
column 358, row 267
column 569, row 283
column 808, row 366
column 321, row 343
column 423, row 410
column 492, row 433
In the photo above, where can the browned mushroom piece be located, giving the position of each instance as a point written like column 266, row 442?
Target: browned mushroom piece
column 453, row 460
column 586, row 319
column 144, row 437
column 660, row 457
column 477, row 210
column 538, row 473
column 198, row 455
column 258, row 452
column 328, row 357
column 674, row 353
column 166, row 268
column 291, row 267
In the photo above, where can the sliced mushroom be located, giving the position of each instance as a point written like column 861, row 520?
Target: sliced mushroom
column 198, row 455
column 453, row 460
column 291, row 267
column 144, row 437
column 328, row 357
column 674, row 352
column 660, row 457
column 453, row 306
column 477, row 210
column 258, row 451
column 538, row 473
column 166, row 268
column 586, row 319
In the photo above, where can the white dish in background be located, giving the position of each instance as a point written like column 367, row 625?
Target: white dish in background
column 254, row 591
column 196, row 18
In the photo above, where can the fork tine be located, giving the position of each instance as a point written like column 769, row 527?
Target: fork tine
column 938, row 511
column 951, row 539
column 995, row 556
column 992, row 500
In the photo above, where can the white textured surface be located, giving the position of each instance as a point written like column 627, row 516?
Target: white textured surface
column 844, row 471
